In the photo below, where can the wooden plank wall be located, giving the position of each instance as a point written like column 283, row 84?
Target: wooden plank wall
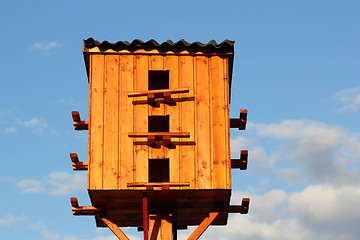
column 114, row 159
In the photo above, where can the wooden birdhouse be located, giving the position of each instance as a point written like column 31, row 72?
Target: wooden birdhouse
column 159, row 135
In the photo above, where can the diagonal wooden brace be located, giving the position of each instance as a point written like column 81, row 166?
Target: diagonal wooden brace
column 78, row 123
column 240, row 122
column 76, row 164
column 242, row 162
column 114, row 228
column 203, row 226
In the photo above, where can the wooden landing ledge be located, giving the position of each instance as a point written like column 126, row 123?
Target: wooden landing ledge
column 158, row 92
column 240, row 122
column 76, row 164
column 165, row 137
column 242, row 162
column 83, row 210
column 159, row 184
column 160, row 134
column 78, row 123
column 242, row 209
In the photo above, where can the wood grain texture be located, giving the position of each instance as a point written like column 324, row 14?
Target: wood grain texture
column 141, row 111
column 96, row 116
column 203, row 122
column 187, row 122
column 126, row 121
column 111, row 122
column 219, row 120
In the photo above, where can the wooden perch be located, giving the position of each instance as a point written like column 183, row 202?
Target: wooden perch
column 76, row 164
column 240, row 122
column 78, row 123
column 83, row 210
column 242, row 162
column 152, row 95
column 242, row 209
column 165, row 137
column 158, row 184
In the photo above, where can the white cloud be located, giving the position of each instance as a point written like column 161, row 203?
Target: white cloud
column 11, row 130
column 310, row 149
column 9, row 220
column 30, row 185
column 316, row 212
column 350, row 99
column 45, row 46
column 56, row 183
column 36, row 125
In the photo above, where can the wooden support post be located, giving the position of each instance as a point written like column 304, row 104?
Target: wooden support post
column 167, row 98
column 161, row 227
column 203, row 226
column 115, row 229
column 145, row 216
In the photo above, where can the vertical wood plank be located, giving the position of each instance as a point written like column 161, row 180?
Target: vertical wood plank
column 172, row 64
column 111, row 122
column 203, row 120
column 126, row 120
column 187, row 118
column 96, row 117
column 227, row 123
column 141, row 113
column 219, row 116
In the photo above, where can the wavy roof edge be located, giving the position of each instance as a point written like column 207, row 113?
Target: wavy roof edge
column 224, row 46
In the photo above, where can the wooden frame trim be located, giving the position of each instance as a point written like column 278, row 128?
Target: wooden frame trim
column 124, row 52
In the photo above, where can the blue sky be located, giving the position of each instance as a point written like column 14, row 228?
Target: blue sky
column 296, row 70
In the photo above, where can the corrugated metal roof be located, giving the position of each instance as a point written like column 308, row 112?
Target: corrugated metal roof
column 211, row 46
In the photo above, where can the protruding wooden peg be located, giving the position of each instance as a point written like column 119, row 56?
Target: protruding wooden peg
column 167, row 141
column 151, row 98
column 245, row 204
column 74, row 157
column 167, row 97
column 240, row 122
column 78, row 123
column 242, row 162
column 74, row 202
column 151, row 140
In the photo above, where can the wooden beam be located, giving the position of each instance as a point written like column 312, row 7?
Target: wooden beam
column 78, row 123
column 145, row 216
column 203, row 226
column 115, row 229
